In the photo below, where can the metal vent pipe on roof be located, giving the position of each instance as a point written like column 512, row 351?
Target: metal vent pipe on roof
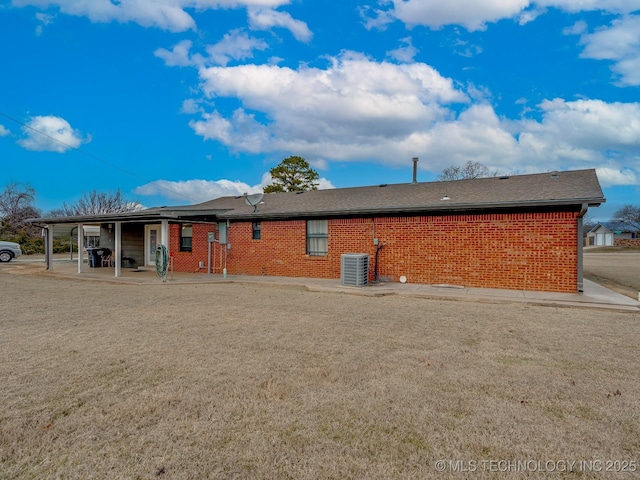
column 415, row 170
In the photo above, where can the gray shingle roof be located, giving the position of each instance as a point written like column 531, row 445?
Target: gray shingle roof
column 545, row 189
column 575, row 187
column 615, row 226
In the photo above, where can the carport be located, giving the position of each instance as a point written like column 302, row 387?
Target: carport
column 126, row 234
column 109, row 227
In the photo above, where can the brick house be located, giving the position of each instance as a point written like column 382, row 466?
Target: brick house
column 520, row 232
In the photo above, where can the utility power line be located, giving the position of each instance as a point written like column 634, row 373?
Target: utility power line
column 90, row 155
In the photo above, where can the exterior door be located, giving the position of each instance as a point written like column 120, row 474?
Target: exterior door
column 151, row 242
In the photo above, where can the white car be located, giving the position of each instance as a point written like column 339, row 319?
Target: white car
column 9, row 251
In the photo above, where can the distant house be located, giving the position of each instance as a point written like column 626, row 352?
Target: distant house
column 607, row 234
column 519, row 232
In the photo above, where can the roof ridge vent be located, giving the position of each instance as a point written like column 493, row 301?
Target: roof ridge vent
column 503, row 177
column 555, row 174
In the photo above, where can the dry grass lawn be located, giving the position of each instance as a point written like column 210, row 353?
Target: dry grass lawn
column 236, row 381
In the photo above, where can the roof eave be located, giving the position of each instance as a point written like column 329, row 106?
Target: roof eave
column 449, row 207
column 145, row 215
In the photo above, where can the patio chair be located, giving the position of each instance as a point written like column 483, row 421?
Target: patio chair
column 108, row 260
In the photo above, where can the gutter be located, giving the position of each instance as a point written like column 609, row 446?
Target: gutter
column 460, row 207
column 131, row 217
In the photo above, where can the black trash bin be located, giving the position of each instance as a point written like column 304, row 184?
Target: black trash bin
column 100, row 253
column 94, row 261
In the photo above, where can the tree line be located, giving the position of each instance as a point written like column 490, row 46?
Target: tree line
column 17, row 206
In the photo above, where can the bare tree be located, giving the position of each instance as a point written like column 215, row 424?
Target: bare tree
column 629, row 214
column 16, row 206
column 587, row 224
column 468, row 170
column 96, row 203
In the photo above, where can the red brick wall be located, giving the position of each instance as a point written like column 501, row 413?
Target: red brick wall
column 281, row 251
column 189, row 261
column 626, row 242
column 521, row 251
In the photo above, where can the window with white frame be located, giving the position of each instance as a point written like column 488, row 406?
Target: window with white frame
column 186, row 238
column 317, row 237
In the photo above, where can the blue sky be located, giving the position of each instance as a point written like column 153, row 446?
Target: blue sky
column 181, row 101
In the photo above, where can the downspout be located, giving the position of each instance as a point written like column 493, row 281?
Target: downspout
column 375, row 272
column 583, row 212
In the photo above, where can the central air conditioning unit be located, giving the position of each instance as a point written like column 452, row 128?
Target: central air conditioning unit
column 354, row 269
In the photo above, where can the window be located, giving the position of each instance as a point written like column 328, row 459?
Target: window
column 317, row 237
column 186, row 238
column 256, row 230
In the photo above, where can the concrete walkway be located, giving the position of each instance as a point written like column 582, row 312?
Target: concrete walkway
column 594, row 295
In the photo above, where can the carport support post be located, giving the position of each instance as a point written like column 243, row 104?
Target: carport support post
column 164, row 236
column 48, row 233
column 118, row 249
column 80, row 248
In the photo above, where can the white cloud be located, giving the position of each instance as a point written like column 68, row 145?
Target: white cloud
column 190, row 107
column 353, row 102
column 178, row 56
column 235, row 45
column 477, row 134
column 577, row 28
column 357, row 109
column 50, row 133
column 617, row 176
column 629, row 71
column 404, row 54
column 610, row 6
column 589, row 125
column 375, row 18
column 197, row 191
column 530, row 15
column 44, row 19
column 620, row 42
column 475, row 15
column 577, row 134
column 3, row 131
column 240, row 133
column 584, row 134
column 173, row 15
column 266, row 18
column 165, row 14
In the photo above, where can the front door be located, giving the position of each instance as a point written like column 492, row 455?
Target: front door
column 151, row 242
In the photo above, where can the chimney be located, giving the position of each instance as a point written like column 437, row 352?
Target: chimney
column 415, row 170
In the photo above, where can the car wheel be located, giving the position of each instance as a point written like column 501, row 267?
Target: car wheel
column 5, row 256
